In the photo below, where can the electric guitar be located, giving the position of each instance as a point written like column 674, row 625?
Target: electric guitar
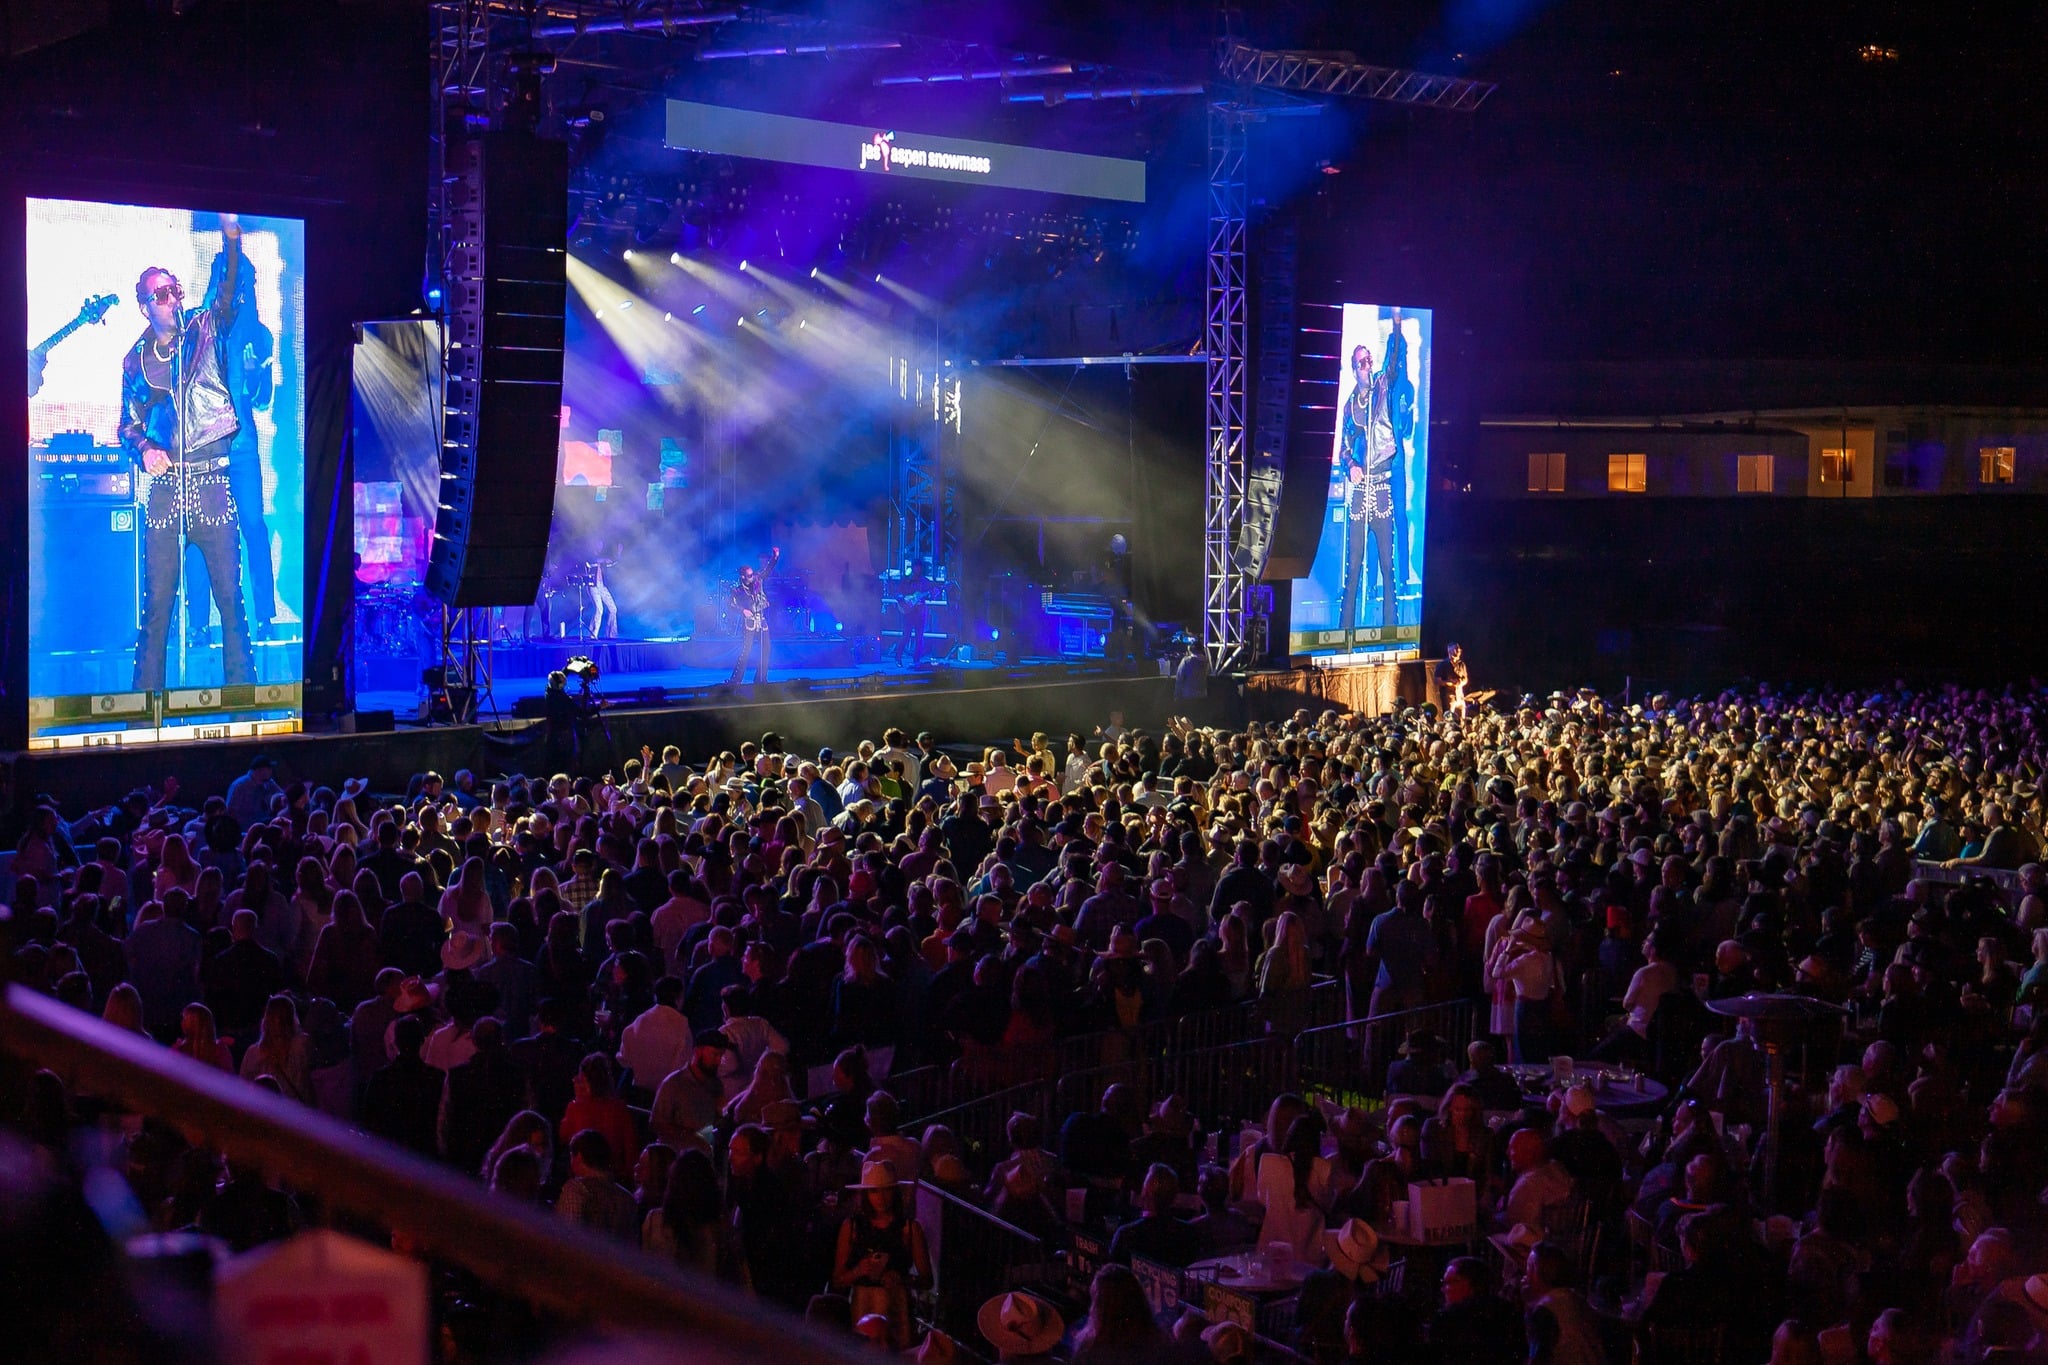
column 95, row 310
column 753, row 602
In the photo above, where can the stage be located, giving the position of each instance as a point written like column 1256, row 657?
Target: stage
column 960, row 704
column 651, row 673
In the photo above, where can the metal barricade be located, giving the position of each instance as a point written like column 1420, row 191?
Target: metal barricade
column 1351, row 1059
column 975, row 1255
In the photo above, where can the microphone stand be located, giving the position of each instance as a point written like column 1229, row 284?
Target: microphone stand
column 180, row 401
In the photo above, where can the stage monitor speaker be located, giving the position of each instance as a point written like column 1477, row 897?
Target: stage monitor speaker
column 509, row 287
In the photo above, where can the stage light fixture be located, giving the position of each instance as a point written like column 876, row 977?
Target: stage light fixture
column 698, row 311
column 814, row 272
column 624, row 304
column 675, row 258
column 627, row 253
column 743, row 265
column 668, row 317
column 763, row 315
column 878, row 279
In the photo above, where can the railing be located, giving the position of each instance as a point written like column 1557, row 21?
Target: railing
column 975, row 1256
column 1345, row 1061
column 521, row 1249
column 926, row 1092
column 2007, row 884
column 1352, row 1059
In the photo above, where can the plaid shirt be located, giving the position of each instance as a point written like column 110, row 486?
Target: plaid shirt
column 579, row 891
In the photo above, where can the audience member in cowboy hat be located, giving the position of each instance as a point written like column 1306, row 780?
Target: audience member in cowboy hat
column 881, row 1252
column 936, row 1349
column 1355, row 1252
column 1228, row 1343
column 463, row 952
column 1020, row 1327
column 1420, row 1069
column 1156, row 1234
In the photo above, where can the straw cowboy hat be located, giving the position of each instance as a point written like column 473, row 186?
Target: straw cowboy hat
column 1354, row 1251
column 877, row 1175
column 413, row 996
column 1226, row 1341
column 1122, row 943
column 1018, row 1324
column 463, row 951
column 936, row 1349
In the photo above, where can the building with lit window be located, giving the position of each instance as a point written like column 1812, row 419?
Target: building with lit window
column 1815, row 453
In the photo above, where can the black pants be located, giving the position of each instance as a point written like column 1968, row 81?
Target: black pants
column 1357, row 531
column 205, row 507
column 910, row 644
column 739, row 669
column 245, row 480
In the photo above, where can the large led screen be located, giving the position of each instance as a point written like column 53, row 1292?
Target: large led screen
column 166, row 464
column 1363, row 592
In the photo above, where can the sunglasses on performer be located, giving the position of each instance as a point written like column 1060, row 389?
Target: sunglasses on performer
column 164, row 293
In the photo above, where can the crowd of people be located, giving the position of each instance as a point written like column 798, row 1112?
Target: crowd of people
column 670, row 1004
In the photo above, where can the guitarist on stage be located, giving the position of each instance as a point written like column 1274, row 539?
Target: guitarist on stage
column 178, row 422
column 913, row 600
column 1452, row 677
column 750, row 600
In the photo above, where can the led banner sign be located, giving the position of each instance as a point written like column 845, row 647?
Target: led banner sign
column 883, row 151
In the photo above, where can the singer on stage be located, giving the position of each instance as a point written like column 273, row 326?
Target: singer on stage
column 178, row 422
column 750, row 602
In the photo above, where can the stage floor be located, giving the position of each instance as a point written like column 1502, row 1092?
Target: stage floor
column 625, row 689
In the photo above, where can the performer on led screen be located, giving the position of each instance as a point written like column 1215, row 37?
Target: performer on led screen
column 178, row 422
column 250, row 350
column 1369, row 458
column 750, row 600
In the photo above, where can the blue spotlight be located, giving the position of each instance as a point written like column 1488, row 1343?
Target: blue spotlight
column 763, row 314
column 698, row 311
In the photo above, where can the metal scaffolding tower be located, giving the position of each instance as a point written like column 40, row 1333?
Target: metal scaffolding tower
column 1224, row 336
column 1234, row 105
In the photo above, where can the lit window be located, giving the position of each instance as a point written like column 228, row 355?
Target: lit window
column 1628, row 473
column 1755, row 473
column 1994, row 464
column 1546, row 472
column 1838, row 466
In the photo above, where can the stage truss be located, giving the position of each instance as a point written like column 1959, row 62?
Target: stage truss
column 1254, row 85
